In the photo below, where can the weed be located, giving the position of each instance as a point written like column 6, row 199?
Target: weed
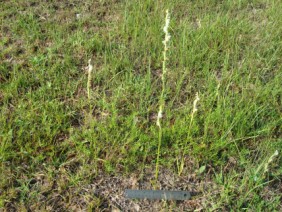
column 185, row 149
column 162, row 98
column 90, row 68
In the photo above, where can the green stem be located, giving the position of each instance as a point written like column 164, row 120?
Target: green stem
column 158, row 153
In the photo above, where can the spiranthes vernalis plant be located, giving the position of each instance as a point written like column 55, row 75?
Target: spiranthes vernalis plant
column 162, row 98
column 195, row 109
column 270, row 160
column 90, row 68
column 264, row 166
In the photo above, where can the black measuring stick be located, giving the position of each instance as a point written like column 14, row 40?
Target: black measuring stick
column 157, row 194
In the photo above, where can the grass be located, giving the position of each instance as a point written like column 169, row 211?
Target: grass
column 62, row 129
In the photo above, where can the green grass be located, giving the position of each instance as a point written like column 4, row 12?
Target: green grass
column 54, row 139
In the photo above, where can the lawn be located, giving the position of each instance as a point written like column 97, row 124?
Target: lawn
column 73, row 139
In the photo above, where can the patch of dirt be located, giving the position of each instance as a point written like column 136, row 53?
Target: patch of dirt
column 111, row 189
column 106, row 193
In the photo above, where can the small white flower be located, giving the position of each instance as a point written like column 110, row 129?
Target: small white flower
column 167, row 20
column 90, row 67
column 195, row 103
column 167, row 35
column 160, row 116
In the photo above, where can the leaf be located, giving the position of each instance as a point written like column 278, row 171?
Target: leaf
column 201, row 169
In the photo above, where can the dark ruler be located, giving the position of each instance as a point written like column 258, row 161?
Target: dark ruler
column 157, row 194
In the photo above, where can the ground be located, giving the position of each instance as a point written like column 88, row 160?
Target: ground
column 72, row 141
